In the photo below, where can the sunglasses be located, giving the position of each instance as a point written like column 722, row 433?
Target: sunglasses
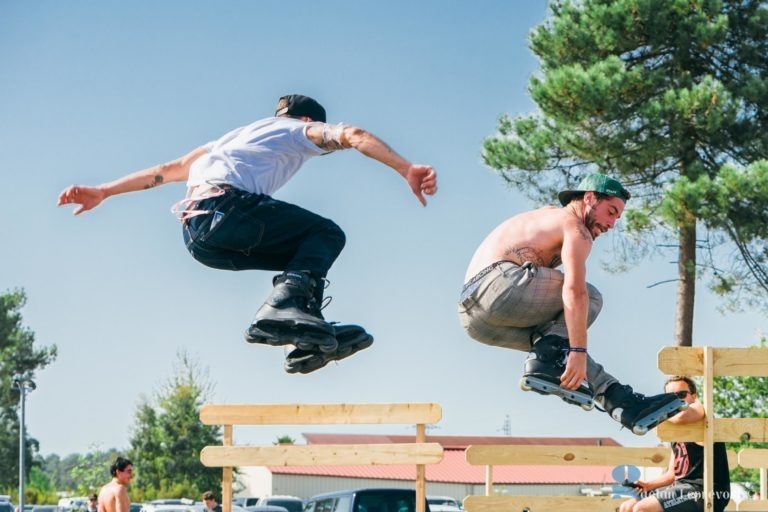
column 682, row 394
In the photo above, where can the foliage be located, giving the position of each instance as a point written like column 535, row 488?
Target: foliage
column 168, row 436
column 670, row 96
column 18, row 356
column 91, row 470
column 742, row 397
column 285, row 439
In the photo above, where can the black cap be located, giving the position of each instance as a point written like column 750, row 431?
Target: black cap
column 299, row 105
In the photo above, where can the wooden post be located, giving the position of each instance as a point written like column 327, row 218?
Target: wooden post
column 226, row 481
column 421, row 471
column 709, row 430
column 763, row 484
column 489, row 480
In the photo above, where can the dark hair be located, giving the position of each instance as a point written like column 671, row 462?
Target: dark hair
column 119, row 465
column 687, row 380
column 208, row 495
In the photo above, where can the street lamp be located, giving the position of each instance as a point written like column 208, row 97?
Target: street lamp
column 23, row 384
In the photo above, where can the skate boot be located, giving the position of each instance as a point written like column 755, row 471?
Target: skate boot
column 351, row 339
column 638, row 412
column 290, row 315
column 543, row 368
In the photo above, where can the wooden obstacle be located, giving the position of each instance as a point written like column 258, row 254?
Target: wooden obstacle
column 711, row 362
column 707, row 362
column 228, row 456
column 495, row 455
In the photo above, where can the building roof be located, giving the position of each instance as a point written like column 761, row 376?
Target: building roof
column 454, row 468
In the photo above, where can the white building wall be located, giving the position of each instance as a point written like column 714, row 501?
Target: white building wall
column 254, row 481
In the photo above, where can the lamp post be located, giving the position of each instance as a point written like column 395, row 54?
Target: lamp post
column 24, row 384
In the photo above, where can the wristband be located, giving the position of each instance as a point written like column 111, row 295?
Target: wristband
column 581, row 350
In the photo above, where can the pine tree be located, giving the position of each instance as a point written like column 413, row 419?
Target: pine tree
column 669, row 96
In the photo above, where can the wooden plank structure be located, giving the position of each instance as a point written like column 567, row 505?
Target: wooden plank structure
column 495, row 455
column 228, row 456
column 707, row 362
column 711, row 362
column 755, row 458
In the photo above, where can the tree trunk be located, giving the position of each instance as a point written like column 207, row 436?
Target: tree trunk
column 686, row 286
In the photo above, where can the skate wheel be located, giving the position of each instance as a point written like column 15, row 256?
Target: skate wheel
column 639, row 430
column 588, row 407
column 524, row 385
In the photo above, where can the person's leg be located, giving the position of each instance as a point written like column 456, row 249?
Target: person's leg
column 649, row 504
column 627, row 506
column 247, row 231
column 506, row 307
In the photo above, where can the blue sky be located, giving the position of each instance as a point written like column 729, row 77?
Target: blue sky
column 94, row 90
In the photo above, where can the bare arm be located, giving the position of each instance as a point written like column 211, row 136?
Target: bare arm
column 695, row 412
column 422, row 179
column 577, row 244
column 668, row 478
column 123, row 503
column 89, row 197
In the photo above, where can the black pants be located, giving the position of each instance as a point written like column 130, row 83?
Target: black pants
column 251, row 231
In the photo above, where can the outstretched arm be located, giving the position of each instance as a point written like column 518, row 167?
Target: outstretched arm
column 89, row 197
column 422, row 179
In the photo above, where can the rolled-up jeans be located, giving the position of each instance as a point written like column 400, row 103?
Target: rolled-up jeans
column 243, row 231
column 509, row 305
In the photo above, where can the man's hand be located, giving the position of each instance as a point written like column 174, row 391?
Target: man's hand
column 423, row 180
column 575, row 370
column 87, row 197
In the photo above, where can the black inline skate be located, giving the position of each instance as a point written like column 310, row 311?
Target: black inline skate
column 638, row 412
column 543, row 368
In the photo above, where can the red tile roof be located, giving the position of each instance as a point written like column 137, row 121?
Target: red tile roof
column 454, row 467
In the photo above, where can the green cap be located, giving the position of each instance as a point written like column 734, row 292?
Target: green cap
column 599, row 183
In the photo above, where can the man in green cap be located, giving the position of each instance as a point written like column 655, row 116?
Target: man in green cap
column 515, row 297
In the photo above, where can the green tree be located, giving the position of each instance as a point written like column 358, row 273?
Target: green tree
column 91, row 470
column 284, row 439
column 670, row 96
column 18, row 356
column 168, row 436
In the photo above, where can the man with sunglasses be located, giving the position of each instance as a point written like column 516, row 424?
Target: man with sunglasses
column 113, row 497
column 514, row 297
column 232, row 222
column 681, row 487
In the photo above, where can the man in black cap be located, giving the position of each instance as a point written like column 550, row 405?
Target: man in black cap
column 515, row 298
column 231, row 221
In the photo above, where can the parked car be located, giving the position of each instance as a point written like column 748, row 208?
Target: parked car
column 6, row 505
column 170, row 505
column 263, row 508
column 443, row 504
column 45, row 508
column 289, row 503
column 365, row 500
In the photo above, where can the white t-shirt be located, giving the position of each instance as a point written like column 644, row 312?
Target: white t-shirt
column 258, row 158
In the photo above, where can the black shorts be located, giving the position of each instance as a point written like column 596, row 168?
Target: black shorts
column 680, row 497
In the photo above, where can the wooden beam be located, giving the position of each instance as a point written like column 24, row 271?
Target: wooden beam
column 312, row 455
column 421, row 471
column 566, row 455
column 226, row 479
column 541, row 503
column 753, row 458
column 725, row 430
column 709, row 429
column 320, row 414
column 753, row 505
column 737, row 362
